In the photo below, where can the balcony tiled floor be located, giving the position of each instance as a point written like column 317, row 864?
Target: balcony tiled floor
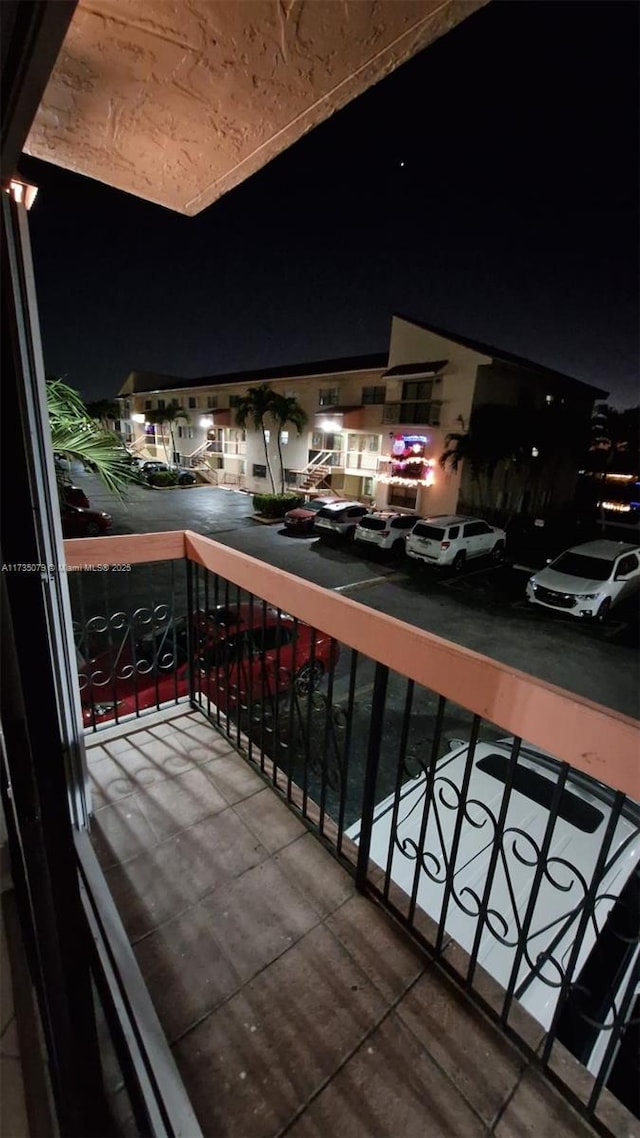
column 292, row 1004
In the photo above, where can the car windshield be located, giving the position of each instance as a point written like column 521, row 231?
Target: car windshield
column 578, row 565
column 429, row 531
column 373, row 523
column 313, row 506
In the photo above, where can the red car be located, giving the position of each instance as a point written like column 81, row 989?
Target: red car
column 77, row 522
column 241, row 653
column 73, row 496
column 300, row 520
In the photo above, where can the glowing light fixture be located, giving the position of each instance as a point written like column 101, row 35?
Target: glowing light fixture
column 24, row 193
column 138, row 417
column 616, row 507
column 206, row 421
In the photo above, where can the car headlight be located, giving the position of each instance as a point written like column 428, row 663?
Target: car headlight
column 586, row 596
column 533, row 583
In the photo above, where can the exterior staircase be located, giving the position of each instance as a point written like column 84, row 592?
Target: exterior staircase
column 317, row 472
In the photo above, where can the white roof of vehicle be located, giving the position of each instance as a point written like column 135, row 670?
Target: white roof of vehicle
column 608, row 550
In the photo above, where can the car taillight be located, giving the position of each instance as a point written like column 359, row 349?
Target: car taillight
column 445, row 544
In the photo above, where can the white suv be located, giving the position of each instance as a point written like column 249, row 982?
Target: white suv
column 338, row 519
column 453, row 540
column 588, row 580
column 385, row 529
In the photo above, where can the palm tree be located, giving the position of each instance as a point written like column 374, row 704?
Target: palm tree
column 77, row 437
column 253, row 408
column 170, row 416
column 286, row 409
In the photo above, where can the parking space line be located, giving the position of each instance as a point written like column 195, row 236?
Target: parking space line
column 367, row 583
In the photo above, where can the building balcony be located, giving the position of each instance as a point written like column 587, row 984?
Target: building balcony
column 300, row 982
column 426, row 414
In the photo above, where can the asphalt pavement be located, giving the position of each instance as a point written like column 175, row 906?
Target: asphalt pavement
column 483, row 609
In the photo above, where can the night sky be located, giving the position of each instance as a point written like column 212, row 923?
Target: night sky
column 489, row 187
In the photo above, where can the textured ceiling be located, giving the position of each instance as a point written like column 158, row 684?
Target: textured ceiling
column 177, row 102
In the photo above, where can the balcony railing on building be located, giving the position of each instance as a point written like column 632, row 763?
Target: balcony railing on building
column 477, row 805
column 426, row 413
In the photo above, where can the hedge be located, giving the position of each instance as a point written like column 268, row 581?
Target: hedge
column 276, row 505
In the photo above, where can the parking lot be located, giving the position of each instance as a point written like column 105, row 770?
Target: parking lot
column 483, row 608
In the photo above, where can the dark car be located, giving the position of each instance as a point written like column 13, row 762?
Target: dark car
column 73, row 496
column 240, row 653
column 186, row 477
column 78, row 522
column 152, row 466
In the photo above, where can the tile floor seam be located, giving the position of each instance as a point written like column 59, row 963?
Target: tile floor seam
column 489, row 1127
column 230, row 996
column 508, row 1100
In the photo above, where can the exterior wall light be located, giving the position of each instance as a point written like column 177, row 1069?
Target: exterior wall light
column 24, row 193
column 137, row 417
column 206, row 421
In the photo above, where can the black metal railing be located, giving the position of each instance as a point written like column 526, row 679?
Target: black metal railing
column 426, row 412
column 471, row 840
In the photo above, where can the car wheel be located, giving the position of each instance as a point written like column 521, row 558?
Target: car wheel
column 603, row 611
column 308, row 678
column 458, row 562
column 93, row 529
column 497, row 553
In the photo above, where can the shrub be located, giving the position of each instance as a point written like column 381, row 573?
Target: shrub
column 163, row 478
column 276, row 505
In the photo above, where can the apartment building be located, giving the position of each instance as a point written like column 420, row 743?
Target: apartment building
column 376, row 425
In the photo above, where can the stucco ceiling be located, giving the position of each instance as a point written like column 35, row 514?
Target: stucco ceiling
column 177, row 102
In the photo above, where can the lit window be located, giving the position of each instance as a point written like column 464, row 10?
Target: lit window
column 548, row 398
column 284, row 437
column 267, row 436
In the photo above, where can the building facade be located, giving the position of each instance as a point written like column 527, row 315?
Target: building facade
column 377, row 426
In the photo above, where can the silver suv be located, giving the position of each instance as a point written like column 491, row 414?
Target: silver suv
column 449, row 539
column 385, row 529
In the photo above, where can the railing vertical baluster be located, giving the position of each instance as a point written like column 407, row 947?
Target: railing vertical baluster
column 328, row 733
column 618, row 1029
column 250, row 723
column 371, row 773
column 493, row 860
column 429, row 781
column 534, row 891
column 308, row 725
column 276, row 700
column 401, row 769
column 346, row 750
column 453, row 854
column 192, row 634
column 293, row 713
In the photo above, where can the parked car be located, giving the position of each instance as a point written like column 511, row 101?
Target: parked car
column 153, row 466
column 338, row 519
column 420, row 833
column 386, row 529
column 240, row 652
column 452, row 540
column 79, row 522
column 302, row 518
column 588, row 580
column 186, row 477
column 73, row 496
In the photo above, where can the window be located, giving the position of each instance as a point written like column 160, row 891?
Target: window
column 290, row 478
column 373, row 394
column 367, row 487
column 147, row 404
column 403, row 496
column 234, row 400
column 212, row 402
column 475, row 529
column 193, row 402
column 328, row 396
column 284, row 437
column 406, row 522
column 626, row 565
column 267, row 435
column 161, row 405
column 417, row 392
column 259, row 470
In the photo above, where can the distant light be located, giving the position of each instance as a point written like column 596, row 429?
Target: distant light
column 24, row 193
column 137, row 417
column 206, row 421
column 330, row 425
column 616, row 507
column 402, row 163
column 534, row 452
